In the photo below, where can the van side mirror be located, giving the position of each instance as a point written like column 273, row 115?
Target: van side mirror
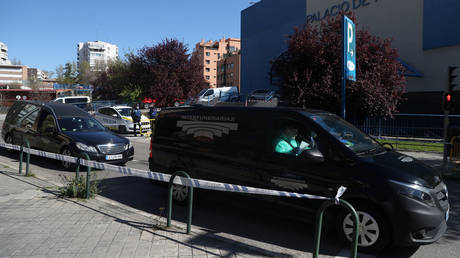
column 313, row 155
column 388, row 146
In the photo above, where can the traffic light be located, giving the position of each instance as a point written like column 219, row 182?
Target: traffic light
column 448, row 101
column 452, row 77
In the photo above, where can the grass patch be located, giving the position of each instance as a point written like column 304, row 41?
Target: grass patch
column 415, row 145
column 75, row 187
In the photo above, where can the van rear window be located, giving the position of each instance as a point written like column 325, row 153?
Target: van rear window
column 76, row 100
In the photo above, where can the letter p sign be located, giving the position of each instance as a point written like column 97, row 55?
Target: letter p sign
column 349, row 49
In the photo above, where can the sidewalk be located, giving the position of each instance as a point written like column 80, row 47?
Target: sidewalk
column 35, row 222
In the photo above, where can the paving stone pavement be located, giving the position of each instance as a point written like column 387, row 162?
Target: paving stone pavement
column 36, row 222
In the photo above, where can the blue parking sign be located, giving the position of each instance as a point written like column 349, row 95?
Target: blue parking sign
column 349, row 49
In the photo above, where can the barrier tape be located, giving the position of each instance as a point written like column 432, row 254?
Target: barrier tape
column 196, row 183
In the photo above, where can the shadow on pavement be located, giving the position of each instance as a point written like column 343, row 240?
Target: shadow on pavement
column 229, row 213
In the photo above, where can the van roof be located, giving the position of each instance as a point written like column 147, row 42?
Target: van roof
column 243, row 108
column 60, row 109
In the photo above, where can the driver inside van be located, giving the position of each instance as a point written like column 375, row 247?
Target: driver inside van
column 287, row 143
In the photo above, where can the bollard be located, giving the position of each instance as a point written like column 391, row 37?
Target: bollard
column 190, row 200
column 88, row 176
column 28, row 157
column 319, row 222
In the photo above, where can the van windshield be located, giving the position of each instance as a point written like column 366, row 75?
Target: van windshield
column 347, row 134
column 76, row 100
column 80, row 124
column 202, row 92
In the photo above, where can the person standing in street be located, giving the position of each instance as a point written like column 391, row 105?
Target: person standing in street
column 136, row 116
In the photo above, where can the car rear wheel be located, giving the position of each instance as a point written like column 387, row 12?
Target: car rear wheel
column 374, row 231
column 9, row 140
column 122, row 129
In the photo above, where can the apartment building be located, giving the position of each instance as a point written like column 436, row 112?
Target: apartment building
column 13, row 75
column 4, row 54
column 228, row 70
column 97, row 53
column 210, row 52
column 36, row 74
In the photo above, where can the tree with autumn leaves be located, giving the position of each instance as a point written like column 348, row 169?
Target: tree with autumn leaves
column 309, row 73
column 165, row 72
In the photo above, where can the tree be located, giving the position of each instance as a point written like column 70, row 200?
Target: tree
column 309, row 72
column 70, row 73
column 60, row 74
column 85, row 75
column 167, row 72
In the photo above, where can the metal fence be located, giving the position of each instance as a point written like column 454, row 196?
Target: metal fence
column 406, row 125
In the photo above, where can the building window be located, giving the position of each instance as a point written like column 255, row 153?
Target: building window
column 207, row 77
column 208, row 53
column 208, row 70
column 218, row 55
column 208, row 62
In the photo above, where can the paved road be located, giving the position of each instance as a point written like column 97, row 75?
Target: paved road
column 239, row 218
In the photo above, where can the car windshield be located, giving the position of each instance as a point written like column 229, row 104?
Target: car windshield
column 202, row 92
column 124, row 111
column 347, row 134
column 80, row 124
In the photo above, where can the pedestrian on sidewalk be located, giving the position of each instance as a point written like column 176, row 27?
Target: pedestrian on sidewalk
column 136, row 116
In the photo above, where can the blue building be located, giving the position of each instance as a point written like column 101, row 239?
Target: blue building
column 425, row 32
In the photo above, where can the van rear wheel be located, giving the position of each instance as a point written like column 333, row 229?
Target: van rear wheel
column 374, row 231
column 180, row 193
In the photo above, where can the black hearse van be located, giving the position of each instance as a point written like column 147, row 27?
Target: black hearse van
column 398, row 198
column 66, row 129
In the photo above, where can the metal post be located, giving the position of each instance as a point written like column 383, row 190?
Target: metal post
column 319, row 222
column 190, row 200
column 446, row 140
column 28, row 157
column 77, row 169
column 88, row 176
column 344, row 80
column 21, row 157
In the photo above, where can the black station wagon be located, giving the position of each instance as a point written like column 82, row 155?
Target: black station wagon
column 66, row 129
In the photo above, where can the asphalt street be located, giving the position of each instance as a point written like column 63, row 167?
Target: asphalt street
column 239, row 216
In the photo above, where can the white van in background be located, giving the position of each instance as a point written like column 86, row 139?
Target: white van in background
column 211, row 96
column 83, row 102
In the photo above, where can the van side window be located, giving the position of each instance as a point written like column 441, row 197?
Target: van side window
column 292, row 138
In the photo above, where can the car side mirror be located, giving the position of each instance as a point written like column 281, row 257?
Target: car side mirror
column 314, row 155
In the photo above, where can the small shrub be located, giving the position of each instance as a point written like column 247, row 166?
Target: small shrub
column 76, row 187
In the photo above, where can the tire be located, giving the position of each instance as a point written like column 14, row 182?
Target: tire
column 122, row 129
column 374, row 233
column 146, row 105
column 180, row 194
column 9, row 140
column 67, row 165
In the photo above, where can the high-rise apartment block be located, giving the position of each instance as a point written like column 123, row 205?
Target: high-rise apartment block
column 4, row 54
column 210, row 52
column 97, row 53
column 228, row 70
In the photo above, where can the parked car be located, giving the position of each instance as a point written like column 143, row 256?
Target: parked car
column 398, row 198
column 263, row 95
column 118, row 118
column 65, row 129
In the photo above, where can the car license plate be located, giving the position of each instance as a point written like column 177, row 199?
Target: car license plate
column 447, row 215
column 112, row 157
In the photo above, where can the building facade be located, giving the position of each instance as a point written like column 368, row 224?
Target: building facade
column 228, row 71
column 425, row 32
column 4, row 54
column 97, row 53
column 13, row 76
column 210, row 52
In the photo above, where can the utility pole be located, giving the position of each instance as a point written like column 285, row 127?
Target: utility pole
column 448, row 106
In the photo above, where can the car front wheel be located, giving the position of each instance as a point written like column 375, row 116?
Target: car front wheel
column 67, row 165
column 374, row 231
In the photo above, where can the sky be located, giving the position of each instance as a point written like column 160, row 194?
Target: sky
column 44, row 34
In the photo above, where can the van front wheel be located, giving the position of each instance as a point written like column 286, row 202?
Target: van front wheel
column 374, row 231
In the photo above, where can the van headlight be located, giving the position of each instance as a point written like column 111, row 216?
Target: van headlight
column 415, row 192
column 85, row 147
